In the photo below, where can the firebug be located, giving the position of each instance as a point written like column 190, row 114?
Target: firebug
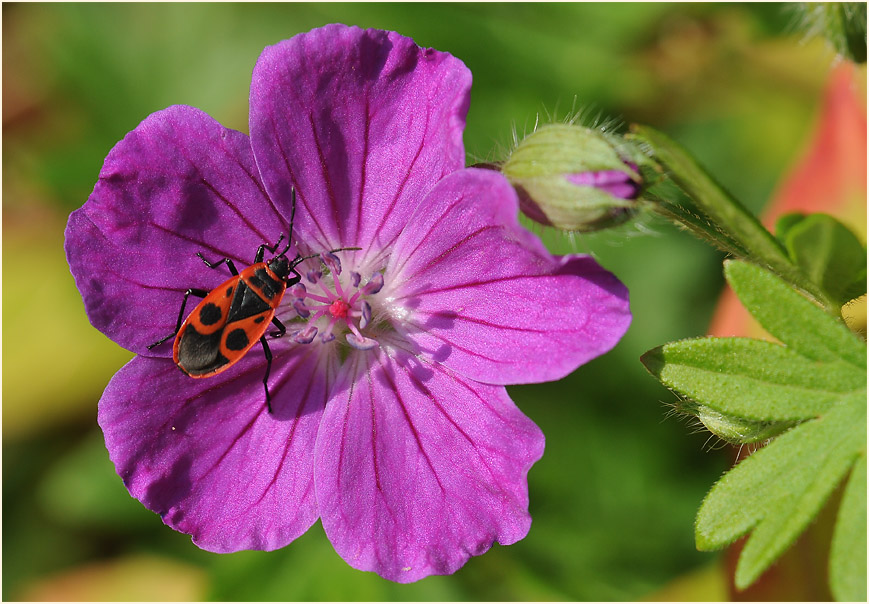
column 232, row 317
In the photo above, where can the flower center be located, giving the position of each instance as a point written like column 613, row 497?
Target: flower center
column 339, row 309
column 331, row 304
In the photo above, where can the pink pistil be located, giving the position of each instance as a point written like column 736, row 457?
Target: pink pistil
column 339, row 309
column 337, row 304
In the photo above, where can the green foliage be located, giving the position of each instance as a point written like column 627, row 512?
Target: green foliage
column 792, row 319
column 713, row 214
column 751, row 378
column 848, row 554
column 816, row 376
column 778, row 490
column 827, row 251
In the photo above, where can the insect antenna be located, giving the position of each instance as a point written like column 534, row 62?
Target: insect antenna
column 341, row 249
column 298, row 259
column 292, row 219
column 289, row 243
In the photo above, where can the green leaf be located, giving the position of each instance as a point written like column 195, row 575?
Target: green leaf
column 828, row 252
column 791, row 318
column 779, row 489
column 818, row 378
column 785, row 222
column 848, row 554
column 752, row 379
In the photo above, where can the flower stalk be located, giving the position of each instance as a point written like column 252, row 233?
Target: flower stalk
column 735, row 223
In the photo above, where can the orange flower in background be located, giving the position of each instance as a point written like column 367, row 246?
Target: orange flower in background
column 830, row 178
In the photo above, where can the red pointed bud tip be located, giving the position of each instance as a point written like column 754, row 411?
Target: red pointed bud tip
column 574, row 178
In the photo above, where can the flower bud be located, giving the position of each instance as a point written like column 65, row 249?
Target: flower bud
column 573, row 178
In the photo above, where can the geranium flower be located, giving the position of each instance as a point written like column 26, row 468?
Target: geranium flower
column 391, row 422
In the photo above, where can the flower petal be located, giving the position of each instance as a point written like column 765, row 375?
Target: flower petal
column 178, row 184
column 207, row 456
column 483, row 296
column 355, row 118
column 418, row 469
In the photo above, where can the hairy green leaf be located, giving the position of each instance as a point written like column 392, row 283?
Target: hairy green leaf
column 752, row 379
column 779, row 489
column 817, row 380
column 848, row 554
column 791, row 318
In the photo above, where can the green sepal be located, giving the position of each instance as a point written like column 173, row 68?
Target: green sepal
column 828, row 253
column 541, row 163
column 738, row 430
column 562, row 206
column 558, row 149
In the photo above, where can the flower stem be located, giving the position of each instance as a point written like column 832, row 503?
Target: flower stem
column 733, row 219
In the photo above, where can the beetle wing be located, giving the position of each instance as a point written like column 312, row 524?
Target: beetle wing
column 228, row 322
column 197, row 344
column 239, row 336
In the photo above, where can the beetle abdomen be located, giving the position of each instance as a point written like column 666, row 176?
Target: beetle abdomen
column 199, row 354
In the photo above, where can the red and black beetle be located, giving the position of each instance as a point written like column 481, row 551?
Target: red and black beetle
column 233, row 316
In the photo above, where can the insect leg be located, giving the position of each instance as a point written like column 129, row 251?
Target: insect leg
column 260, row 251
column 200, row 293
column 228, row 262
column 268, row 354
column 281, row 329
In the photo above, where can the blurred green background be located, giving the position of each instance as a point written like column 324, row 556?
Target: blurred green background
column 614, row 497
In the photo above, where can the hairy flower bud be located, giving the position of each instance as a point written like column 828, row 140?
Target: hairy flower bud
column 573, row 178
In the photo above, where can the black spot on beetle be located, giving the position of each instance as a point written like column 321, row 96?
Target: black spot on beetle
column 199, row 354
column 237, row 340
column 210, row 314
column 259, row 319
column 228, row 291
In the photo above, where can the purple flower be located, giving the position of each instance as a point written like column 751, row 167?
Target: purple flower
column 390, row 418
